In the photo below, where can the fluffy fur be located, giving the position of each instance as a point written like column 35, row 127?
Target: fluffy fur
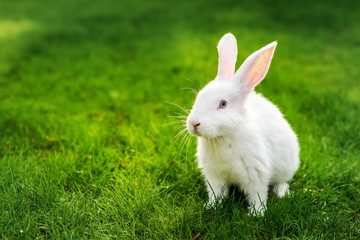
column 247, row 143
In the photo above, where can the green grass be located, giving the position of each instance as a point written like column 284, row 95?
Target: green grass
column 85, row 146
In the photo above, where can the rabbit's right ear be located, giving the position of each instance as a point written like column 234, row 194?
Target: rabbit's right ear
column 255, row 67
column 227, row 49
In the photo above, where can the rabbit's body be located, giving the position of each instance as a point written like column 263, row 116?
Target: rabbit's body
column 243, row 139
column 253, row 157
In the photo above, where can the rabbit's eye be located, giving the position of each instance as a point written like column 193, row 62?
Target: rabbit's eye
column 223, row 104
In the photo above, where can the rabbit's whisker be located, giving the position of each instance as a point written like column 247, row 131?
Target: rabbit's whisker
column 192, row 90
column 179, row 134
column 180, row 127
column 180, row 114
column 197, row 86
column 187, row 149
column 184, row 117
column 224, row 136
column 176, row 105
column 183, row 141
column 176, row 122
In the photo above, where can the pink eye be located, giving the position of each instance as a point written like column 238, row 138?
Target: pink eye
column 223, row 104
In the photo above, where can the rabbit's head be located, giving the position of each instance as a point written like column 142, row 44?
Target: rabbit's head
column 221, row 105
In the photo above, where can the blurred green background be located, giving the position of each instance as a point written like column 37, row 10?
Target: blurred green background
column 87, row 149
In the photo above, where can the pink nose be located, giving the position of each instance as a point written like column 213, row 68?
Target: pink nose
column 196, row 125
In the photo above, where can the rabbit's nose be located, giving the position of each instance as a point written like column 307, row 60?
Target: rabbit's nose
column 196, row 125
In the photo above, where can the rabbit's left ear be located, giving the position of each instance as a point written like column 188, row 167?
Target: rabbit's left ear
column 255, row 67
column 227, row 50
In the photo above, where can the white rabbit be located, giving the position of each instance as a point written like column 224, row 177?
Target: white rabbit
column 243, row 139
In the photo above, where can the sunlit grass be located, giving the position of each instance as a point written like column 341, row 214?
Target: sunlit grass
column 11, row 29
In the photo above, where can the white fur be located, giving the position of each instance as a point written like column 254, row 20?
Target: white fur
column 247, row 144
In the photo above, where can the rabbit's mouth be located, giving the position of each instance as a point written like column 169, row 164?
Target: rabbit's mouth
column 194, row 126
column 202, row 131
column 200, row 127
column 194, row 130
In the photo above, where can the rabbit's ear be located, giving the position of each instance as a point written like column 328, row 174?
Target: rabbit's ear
column 255, row 67
column 227, row 50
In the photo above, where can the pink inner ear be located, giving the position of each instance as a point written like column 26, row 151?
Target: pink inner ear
column 227, row 50
column 260, row 67
column 226, row 64
column 228, row 71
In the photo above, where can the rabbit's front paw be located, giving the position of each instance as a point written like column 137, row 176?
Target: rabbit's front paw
column 281, row 189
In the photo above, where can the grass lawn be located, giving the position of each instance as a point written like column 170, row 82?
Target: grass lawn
column 86, row 148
